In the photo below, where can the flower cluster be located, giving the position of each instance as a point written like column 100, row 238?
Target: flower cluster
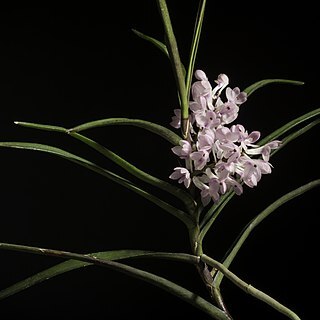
column 218, row 156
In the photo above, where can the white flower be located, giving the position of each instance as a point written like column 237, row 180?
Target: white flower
column 182, row 175
column 200, row 158
column 221, row 82
column 184, row 150
column 264, row 150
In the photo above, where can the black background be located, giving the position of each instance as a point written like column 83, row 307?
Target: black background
column 65, row 66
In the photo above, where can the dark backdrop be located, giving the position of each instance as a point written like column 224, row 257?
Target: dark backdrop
column 65, row 66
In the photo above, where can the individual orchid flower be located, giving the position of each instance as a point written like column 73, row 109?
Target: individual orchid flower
column 224, row 134
column 209, row 188
column 230, row 151
column 243, row 137
column 182, row 175
column 236, row 96
column 207, row 119
column 183, row 150
column 200, row 158
column 264, row 150
column 253, row 170
column 176, row 119
column 228, row 111
column 202, row 88
column 222, row 81
column 205, row 139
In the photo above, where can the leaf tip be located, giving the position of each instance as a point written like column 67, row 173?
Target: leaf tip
column 136, row 32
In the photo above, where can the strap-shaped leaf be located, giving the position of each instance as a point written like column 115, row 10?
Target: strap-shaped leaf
column 248, row 288
column 163, row 132
column 177, row 65
column 257, row 220
column 213, row 213
column 259, row 84
column 163, row 185
column 160, row 45
column 290, row 125
column 180, row 193
column 105, row 259
column 195, row 43
column 106, row 173
column 60, row 268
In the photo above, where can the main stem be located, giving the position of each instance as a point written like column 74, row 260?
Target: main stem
column 204, row 272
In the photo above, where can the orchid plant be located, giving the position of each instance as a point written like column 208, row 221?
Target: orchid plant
column 217, row 159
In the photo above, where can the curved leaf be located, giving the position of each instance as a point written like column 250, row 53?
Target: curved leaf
column 290, row 125
column 213, row 213
column 165, row 133
column 104, row 259
column 257, row 220
column 259, row 84
column 163, row 185
column 248, row 288
column 62, row 268
column 180, row 193
column 160, row 45
column 108, row 174
column 296, row 134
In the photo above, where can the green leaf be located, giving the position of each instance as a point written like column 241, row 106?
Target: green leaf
column 105, row 259
column 68, row 156
column 163, row 185
column 39, row 126
column 248, row 288
column 257, row 85
column 290, row 125
column 108, row 174
column 160, row 45
column 257, row 220
column 195, row 44
column 177, row 66
column 213, row 213
column 165, row 133
column 63, row 268
column 296, row 134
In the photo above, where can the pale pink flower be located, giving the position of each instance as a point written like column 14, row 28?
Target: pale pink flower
column 182, row 175
column 183, row 150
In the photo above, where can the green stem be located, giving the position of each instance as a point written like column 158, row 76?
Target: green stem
column 177, row 66
column 248, row 288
